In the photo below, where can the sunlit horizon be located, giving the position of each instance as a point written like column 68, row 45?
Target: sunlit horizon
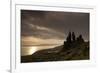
column 32, row 49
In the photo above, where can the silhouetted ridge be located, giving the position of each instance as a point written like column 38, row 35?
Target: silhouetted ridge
column 72, row 41
column 74, row 48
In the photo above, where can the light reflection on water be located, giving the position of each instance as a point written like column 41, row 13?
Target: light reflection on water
column 28, row 50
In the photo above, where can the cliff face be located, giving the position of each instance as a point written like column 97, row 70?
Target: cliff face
column 60, row 53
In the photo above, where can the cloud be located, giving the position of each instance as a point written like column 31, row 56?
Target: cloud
column 52, row 24
column 29, row 40
column 43, row 32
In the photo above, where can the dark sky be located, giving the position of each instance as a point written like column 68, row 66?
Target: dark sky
column 53, row 25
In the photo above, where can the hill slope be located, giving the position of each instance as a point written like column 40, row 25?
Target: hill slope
column 80, row 52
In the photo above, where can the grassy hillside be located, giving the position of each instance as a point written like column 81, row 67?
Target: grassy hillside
column 60, row 53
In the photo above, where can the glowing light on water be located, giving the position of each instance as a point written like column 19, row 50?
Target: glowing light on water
column 29, row 50
column 32, row 50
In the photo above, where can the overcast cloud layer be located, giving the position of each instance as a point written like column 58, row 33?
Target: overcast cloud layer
column 53, row 25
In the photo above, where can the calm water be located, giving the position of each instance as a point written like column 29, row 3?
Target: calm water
column 28, row 50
